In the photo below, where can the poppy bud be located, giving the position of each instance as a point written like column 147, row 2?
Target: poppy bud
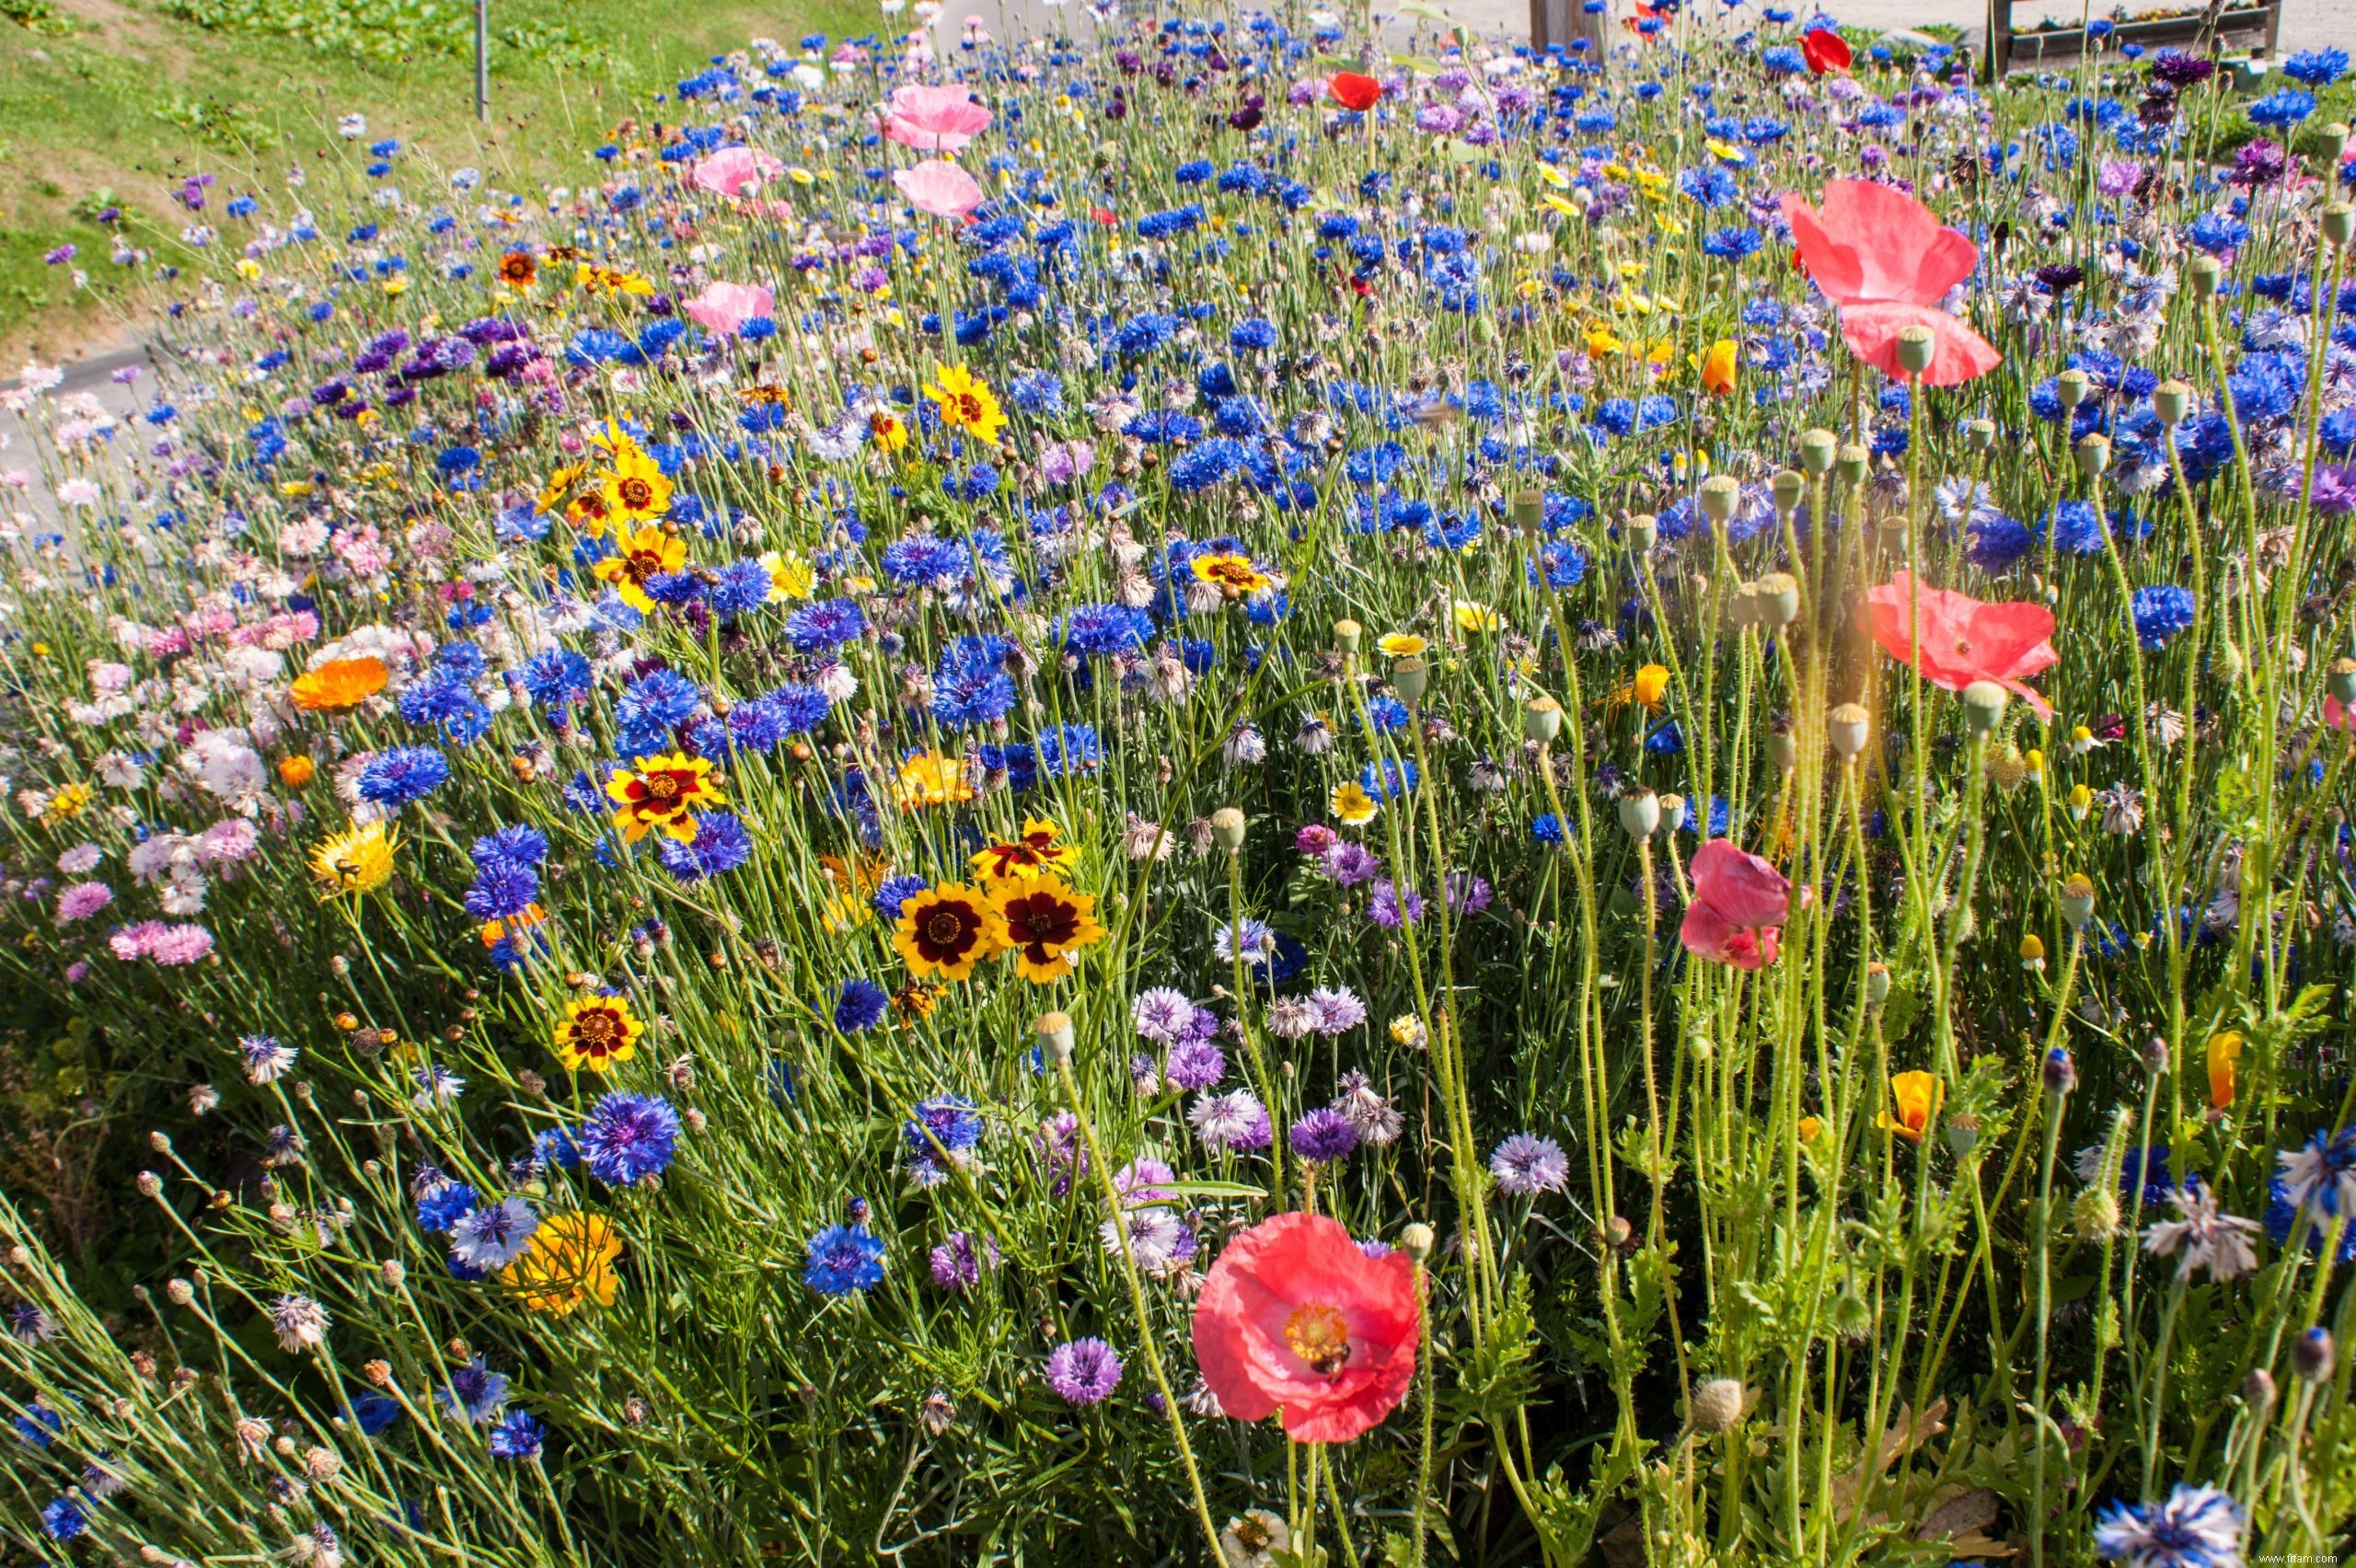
column 1719, row 496
column 1788, row 485
column 1855, row 460
column 1984, row 705
column 1717, row 1405
column 1783, row 750
column 1817, row 449
column 1227, row 831
column 2091, row 455
column 1778, row 595
column 1979, row 435
column 2205, row 275
column 2338, row 224
column 2171, row 400
column 2341, row 682
column 1346, row 634
column 1916, row 349
column 2071, row 388
column 1641, row 532
column 1849, row 726
column 1411, row 678
column 2095, row 1211
column 1640, row 813
column 2311, row 1354
column 1054, row 1037
column 2078, row 900
column 1876, row 983
column 1529, row 511
column 1416, row 1241
column 2061, row 1072
column 1542, row 720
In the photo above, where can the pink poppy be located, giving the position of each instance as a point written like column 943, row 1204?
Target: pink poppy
column 725, row 308
column 1887, row 262
column 1295, row 1317
column 728, row 171
column 1962, row 638
column 941, row 189
column 933, row 119
column 2337, row 715
column 1738, row 909
column 1824, row 50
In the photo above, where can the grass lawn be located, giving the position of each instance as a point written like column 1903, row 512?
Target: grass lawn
column 104, row 103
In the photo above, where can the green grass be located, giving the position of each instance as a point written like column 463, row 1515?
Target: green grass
column 107, row 104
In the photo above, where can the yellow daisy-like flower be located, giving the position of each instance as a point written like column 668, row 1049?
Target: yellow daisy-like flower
column 357, row 860
column 966, row 403
column 1233, row 574
column 890, row 431
column 66, row 805
column 844, row 914
column 791, row 577
column 930, row 778
column 635, row 488
column 596, row 1032
column 647, row 553
column 1352, row 805
column 664, row 793
column 592, row 279
column 1473, row 616
column 1034, row 855
column 1047, row 924
column 944, row 931
column 568, row 1261
column 339, row 683
column 1401, row 644
column 562, row 481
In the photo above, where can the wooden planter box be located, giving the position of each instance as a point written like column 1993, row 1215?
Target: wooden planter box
column 2220, row 29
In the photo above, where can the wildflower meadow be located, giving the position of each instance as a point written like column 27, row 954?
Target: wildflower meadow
column 1217, row 789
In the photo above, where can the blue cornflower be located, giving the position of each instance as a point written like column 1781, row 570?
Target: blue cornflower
column 860, row 1004
column 1107, row 628
column 894, row 892
column 2161, row 611
column 1069, row 749
column 502, row 891
column 829, row 623
column 842, row 1259
column 721, row 845
column 519, row 844
column 1547, row 828
column 473, row 1394
column 556, row 677
column 1390, row 780
column 491, row 1239
column 2078, row 528
column 743, row 587
column 64, row 1520
column 628, row 1137
column 2280, row 110
column 446, row 1204
column 949, row 1120
column 401, row 773
column 1999, row 543
column 2316, row 67
column 657, row 702
column 970, row 684
column 2198, row 1527
column 2216, row 233
column 517, row 1437
column 1252, row 335
column 1736, row 244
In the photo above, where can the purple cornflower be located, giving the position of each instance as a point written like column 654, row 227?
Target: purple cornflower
column 1323, row 1136
column 1060, row 1148
column 1161, row 1015
column 1390, row 908
column 1083, row 1370
column 1526, row 1166
column 957, row 1264
column 1349, row 864
column 1467, row 894
column 1235, row 1120
column 1194, row 1064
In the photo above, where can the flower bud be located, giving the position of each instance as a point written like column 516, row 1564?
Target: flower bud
column 1855, row 462
column 1411, row 678
column 2171, row 400
column 150, row 1183
column 1916, row 349
column 1717, row 1405
column 2095, row 1213
column 2078, row 900
column 1416, row 1241
column 1849, row 726
column 1783, row 750
column 1641, row 532
column 1984, row 705
column 1346, row 633
column 1818, row 446
column 1542, row 720
column 1640, row 813
column 1054, row 1037
column 1876, row 983
column 1227, row 828
column 2312, row 1355
column 2073, row 388
column 1529, row 510
column 2205, row 275
column 2258, row 1390
column 1787, row 487
column 392, row 1273
column 2092, row 455
column 1719, row 496
column 2032, row 951
column 2061, row 1072
column 179, row 1292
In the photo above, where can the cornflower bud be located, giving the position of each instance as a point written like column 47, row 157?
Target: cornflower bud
column 2312, row 1355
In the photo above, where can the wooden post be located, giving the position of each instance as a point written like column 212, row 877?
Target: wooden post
column 1557, row 23
column 482, row 59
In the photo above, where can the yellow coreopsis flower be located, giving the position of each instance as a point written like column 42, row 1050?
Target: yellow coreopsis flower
column 596, row 1032
column 635, row 489
column 644, row 555
column 791, row 577
column 966, row 403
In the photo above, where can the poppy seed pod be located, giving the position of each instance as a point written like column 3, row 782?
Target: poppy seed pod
column 1411, row 678
column 1641, row 532
column 2341, row 682
column 1054, row 1036
column 1529, row 510
column 1979, row 435
column 1783, row 750
column 1787, row 487
column 1742, row 607
column 2330, row 141
column 1855, row 462
column 2078, row 900
column 1416, row 1241
column 1346, row 634
column 2171, row 400
column 1849, row 726
column 1778, row 596
column 2338, row 224
column 2091, row 455
column 2204, row 276
column 1227, row 828
column 1542, row 720
column 1719, row 496
column 1916, row 349
column 1717, row 1405
column 2071, row 388
column 1962, row 1132
column 1640, row 813
column 1817, row 449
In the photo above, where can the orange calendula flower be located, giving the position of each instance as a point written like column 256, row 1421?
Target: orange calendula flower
column 1810, row 1128
column 665, row 792
column 1047, row 925
column 596, row 1032
column 514, row 927
column 568, row 1261
column 1919, row 1097
column 339, row 684
column 2224, row 1052
column 945, row 931
column 1035, row 854
column 1719, row 367
column 644, row 554
column 297, row 771
column 1233, row 574
column 930, row 778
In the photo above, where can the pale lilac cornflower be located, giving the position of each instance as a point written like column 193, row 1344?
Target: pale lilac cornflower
column 1084, row 1371
column 489, row 1238
column 1338, row 1011
column 1467, row 894
column 1367, row 1110
column 1257, row 941
column 1231, row 1121
column 285, row 1146
column 2117, row 176
column 176, row 945
column 266, row 1059
column 300, row 1323
column 1526, row 1166
column 1390, row 907
column 82, row 900
column 1161, row 1015
column 2323, row 1173
column 436, row 1087
column 1159, row 1240
column 1194, row 1064
column 1349, row 864
column 2198, row 1527
column 80, row 861
column 1291, row 1018
column 1139, row 1183
column 2201, row 1238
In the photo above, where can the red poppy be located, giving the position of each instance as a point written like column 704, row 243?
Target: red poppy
column 1963, row 640
column 1353, row 91
column 1738, row 909
column 1295, row 1317
column 1825, row 51
column 1887, row 262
